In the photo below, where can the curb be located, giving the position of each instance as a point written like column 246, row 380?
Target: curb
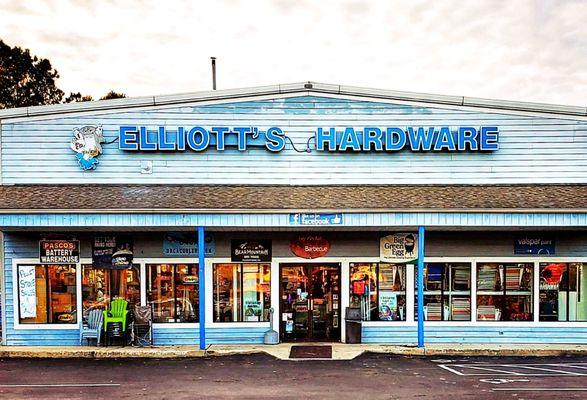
column 155, row 353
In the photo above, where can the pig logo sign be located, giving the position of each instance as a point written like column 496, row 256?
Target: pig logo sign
column 86, row 143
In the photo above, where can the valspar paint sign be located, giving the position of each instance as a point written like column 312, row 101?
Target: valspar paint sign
column 399, row 247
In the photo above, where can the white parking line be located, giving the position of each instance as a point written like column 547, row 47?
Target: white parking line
column 449, row 369
column 539, row 389
column 546, row 369
column 491, row 369
column 60, row 385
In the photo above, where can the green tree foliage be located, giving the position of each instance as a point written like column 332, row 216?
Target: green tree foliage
column 77, row 97
column 26, row 80
column 113, row 95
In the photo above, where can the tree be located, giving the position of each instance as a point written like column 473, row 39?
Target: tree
column 77, row 97
column 113, row 95
column 26, row 80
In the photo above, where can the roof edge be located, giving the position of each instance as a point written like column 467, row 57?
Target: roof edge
column 6, row 211
column 300, row 87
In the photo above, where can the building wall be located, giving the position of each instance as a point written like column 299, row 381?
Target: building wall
column 344, row 244
column 532, row 149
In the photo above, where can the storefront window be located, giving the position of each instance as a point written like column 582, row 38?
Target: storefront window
column 242, row 292
column 562, row 292
column 173, row 291
column 47, row 294
column 100, row 286
column 504, row 292
column 447, row 292
column 379, row 290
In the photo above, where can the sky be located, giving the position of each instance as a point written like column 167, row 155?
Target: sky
column 528, row 50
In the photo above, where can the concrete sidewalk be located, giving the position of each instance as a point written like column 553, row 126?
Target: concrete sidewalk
column 340, row 351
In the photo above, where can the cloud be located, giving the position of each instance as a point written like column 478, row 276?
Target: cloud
column 519, row 50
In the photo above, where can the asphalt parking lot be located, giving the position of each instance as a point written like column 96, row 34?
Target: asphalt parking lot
column 371, row 376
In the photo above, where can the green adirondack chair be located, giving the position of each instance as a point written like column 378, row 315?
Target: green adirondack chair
column 116, row 313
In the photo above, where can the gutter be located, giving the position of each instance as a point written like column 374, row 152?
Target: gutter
column 292, row 211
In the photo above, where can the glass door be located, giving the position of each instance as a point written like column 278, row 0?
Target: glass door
column 310, row 302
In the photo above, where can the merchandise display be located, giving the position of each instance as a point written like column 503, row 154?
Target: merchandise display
column 443, row 282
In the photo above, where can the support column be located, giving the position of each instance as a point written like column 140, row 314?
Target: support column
column 420, row 286
column 202, row 286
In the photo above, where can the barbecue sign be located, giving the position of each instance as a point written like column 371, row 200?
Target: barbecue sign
column 59, row 251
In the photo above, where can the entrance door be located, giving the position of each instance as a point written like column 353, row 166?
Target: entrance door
column 310, row 302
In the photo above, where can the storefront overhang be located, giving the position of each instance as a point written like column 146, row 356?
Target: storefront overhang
column 282, row 221
column 230, row 207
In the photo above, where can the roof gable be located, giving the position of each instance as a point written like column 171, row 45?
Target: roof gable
column 295, row 89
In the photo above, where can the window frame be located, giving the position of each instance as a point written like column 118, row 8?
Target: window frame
column 16, row 298
column 504, row 293
column 446, row 293
column 145, row 286
column 566, row 321
column 135, row 265
column 241, row 291
column 377, row 274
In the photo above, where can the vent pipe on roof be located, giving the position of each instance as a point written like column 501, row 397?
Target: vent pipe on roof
column 213, row 72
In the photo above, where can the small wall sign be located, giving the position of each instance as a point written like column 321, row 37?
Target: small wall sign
column 182, row 244
column 250, row 250
column 315, row 219
column 399, row 247
column 59, row 251
column 310, row 246
column 112, row 252
column 537, row 245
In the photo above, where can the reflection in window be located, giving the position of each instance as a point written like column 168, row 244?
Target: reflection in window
column 562, row 292
column 447, row 292
column 47, row 294
column 504, row 292
column 173, row 292
column 379, row 290
column 100, row 286
column 242, row 292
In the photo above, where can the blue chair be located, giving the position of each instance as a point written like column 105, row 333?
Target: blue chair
column 92, row 329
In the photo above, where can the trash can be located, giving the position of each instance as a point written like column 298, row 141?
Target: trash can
column 353, row 325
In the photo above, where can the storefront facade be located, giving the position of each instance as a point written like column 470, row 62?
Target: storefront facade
column 309, row 198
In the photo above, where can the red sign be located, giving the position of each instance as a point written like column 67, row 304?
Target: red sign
column 312, row 246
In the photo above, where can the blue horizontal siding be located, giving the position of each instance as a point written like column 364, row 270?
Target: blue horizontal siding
column 476, row 334
column 20, row 247
column 430, row 219
column 245, row 335
column 176, row 336
column 532, row 141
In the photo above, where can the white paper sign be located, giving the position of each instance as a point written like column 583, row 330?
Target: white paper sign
column 399, row 247
column 27, row 291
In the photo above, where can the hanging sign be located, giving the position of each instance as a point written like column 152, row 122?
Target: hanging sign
column 59, row 251
column 27, row 291
column 185, row 244
column 399, row 247
column 315, row 219
column 538, row 245
column 250, row 250
column 112, row 252
column 310, row 246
